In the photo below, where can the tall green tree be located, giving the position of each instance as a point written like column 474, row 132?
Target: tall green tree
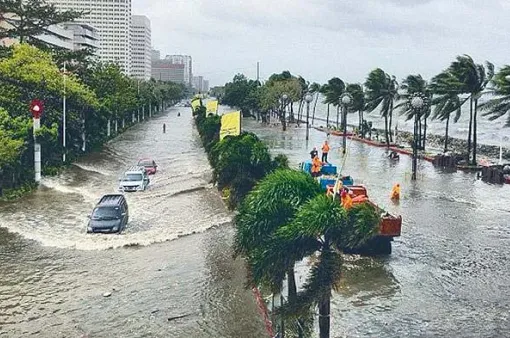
column 499, row 104
column 446, row 100
column 334, row 90
column 320, row 231
column 315, row 91
column 382, row 91
column 414, row 84
column 473, row 78
column 272, row 204
column 28, row 19
column 358, row 104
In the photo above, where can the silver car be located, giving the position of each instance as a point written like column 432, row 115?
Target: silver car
column 134, row 179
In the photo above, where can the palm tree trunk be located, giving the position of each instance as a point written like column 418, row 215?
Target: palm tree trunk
column 327, row 118
column 314, row 107
column 386, row 130
column 424, row 132
column 300, row 110
column 361, row 124
column 292, row 295
column 324, row 312
column 446, row 133
column 291, row 115
column 337, row 116
column 474, row 131
column 470, row 128
column 391, row 120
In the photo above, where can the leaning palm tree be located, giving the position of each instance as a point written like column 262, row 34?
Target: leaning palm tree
column 474, row 78
column 381, row 90
column 499, row 104
column 446, row 100
column 358, row 104
column 272, row 204
column 315, row 90
column 320, row 231
column 335, row 89
column 413, row 84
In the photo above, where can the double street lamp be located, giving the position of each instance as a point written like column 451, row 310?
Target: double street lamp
column 308, row 99
column 417, row 102
column 346, row 100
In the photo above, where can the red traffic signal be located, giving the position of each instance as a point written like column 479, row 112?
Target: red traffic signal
column 36, row 108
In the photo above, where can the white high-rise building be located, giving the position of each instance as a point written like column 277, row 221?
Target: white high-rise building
column 188, row 66
column 113, row 20
column 141, row 47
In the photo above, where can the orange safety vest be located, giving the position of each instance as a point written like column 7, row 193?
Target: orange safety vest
column 316, row 165
column 325, row 148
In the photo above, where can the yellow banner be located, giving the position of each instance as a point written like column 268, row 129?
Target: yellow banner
column 195, row 103
column 212, row 107
column 230, row 124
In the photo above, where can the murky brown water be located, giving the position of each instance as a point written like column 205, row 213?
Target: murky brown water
column 448, row 275
column 53, row 275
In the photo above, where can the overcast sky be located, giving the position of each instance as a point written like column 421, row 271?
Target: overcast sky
column 320, row 39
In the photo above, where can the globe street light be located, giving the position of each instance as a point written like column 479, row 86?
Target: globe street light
column 346, row 99
column 507, row 77
column 308, row 99
column 417, row 102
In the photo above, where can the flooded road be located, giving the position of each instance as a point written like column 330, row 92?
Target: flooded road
column 170, row 273
column 448, row 275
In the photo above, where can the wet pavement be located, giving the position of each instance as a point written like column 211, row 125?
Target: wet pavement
column 169, row 274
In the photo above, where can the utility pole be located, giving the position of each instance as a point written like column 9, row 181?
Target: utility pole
column 64, row 118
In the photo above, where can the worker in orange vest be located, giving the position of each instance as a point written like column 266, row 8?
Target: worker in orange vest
column 316, row 167
column 346, row 200
column 325, row 151
column 395, row 192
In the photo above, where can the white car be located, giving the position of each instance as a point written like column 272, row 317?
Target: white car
column 134, row 179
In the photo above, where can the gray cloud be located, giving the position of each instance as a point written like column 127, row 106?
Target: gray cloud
column 324, row 38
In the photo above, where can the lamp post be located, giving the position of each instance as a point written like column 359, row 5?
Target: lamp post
column 346, row 99
column 308, row 99
column 417, row 102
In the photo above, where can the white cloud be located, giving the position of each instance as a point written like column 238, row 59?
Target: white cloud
column 320, row 39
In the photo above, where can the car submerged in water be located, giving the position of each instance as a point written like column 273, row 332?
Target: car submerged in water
column 149, row 164
column 134, row 179
column 111, row 214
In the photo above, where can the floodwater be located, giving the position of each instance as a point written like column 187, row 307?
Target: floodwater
column 448, row 275
column 169, row 274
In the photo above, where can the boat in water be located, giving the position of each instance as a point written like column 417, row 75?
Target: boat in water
column 390, row 225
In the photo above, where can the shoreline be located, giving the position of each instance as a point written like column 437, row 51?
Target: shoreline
column 435, row 144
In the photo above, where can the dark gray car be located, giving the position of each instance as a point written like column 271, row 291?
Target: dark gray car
column 111, row 214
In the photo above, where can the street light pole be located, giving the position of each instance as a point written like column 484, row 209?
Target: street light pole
column 346, row 100
column 284, row 121
column 64, row 118
column 417, row 102
column 308, row 99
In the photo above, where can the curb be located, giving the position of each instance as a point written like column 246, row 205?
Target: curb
column 261, row 304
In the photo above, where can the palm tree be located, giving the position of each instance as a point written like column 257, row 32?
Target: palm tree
column 499, row 105
column 413, row 84
column 321, row 230
column 446, row 100
column 272, row 204
column 381, row 91
column 358, row 104
column 315, row 90
column 334, row 91
column 474, row 79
